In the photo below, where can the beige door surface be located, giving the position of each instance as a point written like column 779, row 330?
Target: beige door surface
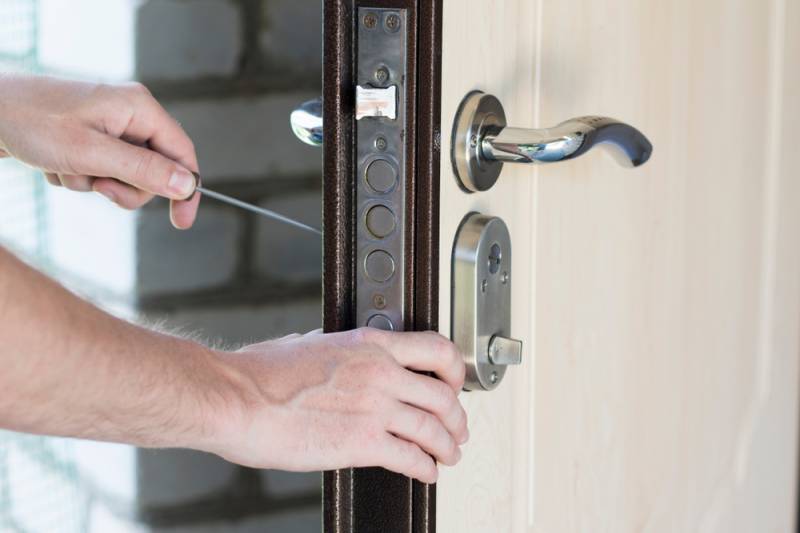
column 660, row 307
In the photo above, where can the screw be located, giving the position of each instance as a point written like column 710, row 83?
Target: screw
column 493, row 377
column 473, row 141
column 382, row 75
column 504, row 279
column 381, row 144
column 484, row 284
column 393, row 22
column 379, row 301
column 370, row 20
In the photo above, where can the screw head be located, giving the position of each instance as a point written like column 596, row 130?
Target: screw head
column 382, row 75
column 370, row 20
column 381, row 144
column 379, row 301
column 504, row 278
column 473, row 141
column 493, row 377
column 393, row 22
column 484, row 284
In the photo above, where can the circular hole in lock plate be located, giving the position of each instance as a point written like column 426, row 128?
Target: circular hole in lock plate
column 495, row 258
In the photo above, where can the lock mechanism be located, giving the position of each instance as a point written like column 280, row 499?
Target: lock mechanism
column 481, row 301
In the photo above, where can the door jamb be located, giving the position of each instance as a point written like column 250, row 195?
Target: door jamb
column 372, row 499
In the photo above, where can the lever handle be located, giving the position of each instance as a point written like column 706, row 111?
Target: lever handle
column 306, row 122
column 483, row 142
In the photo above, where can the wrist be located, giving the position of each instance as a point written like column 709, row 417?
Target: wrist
column 223, row 396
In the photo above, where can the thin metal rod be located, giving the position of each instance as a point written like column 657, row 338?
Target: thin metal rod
column 258, row 210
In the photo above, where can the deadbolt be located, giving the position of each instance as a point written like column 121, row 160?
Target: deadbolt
column 481, row 301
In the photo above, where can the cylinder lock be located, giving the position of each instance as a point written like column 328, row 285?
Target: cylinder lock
column 481, row 301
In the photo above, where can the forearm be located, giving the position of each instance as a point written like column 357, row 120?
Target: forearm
column 70, row 369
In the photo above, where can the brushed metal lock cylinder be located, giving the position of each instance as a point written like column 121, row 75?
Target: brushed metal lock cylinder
column 481, row 301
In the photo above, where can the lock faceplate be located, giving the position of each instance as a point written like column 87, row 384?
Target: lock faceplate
column 381, row 148
column 481, row 301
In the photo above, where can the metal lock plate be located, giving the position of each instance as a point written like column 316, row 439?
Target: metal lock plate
column 381, row 147
column 481, row 301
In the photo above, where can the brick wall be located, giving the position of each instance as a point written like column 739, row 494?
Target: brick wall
column 230, row 71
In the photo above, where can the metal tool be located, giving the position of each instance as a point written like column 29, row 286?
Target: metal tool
column 254, row 209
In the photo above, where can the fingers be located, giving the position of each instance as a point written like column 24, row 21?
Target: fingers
column 52, row 179
column 426, row 352
column 152, row 125
column 71, row 182
column 433, row 396
column 425, row 430
column 184, row 213
column 76, row 183
column 145, row 169
column 405, row 458
column 123, row 195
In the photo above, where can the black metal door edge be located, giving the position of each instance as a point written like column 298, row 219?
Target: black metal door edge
column 368, row 500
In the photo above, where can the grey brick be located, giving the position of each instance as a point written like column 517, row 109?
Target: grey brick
column 291, row 35
column 131, row 479
column 187, row 39
column 247, row 137
column 279, row 483
column 287, row 254
column 170, row 477
column 300, row 521
column 246, row 324
column 204, row 256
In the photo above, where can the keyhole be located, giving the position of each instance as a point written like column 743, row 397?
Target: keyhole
column 495, row 258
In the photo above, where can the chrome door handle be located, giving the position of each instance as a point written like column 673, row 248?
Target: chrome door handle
column 306, row 122
column 482, row 142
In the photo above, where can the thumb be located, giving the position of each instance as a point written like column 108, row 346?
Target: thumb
column 140, row 167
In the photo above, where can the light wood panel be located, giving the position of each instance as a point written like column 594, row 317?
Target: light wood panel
column 659, row 307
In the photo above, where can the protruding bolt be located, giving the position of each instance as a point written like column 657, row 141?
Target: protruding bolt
column 382, row 75
column 370, row 20
column 393, row 22
column 381, row 144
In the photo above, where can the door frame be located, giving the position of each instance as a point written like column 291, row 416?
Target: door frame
column 373, row 499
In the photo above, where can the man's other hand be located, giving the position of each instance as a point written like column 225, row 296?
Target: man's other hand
column 116, row 140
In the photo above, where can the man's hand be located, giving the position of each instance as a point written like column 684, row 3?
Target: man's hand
column 299, row 403
column 115, row 140
column 320, row 402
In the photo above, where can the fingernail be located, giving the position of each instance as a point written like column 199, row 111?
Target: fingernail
column 181, row 183
column 109, row 195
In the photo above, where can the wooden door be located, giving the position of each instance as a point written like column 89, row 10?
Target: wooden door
column 659, row 307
